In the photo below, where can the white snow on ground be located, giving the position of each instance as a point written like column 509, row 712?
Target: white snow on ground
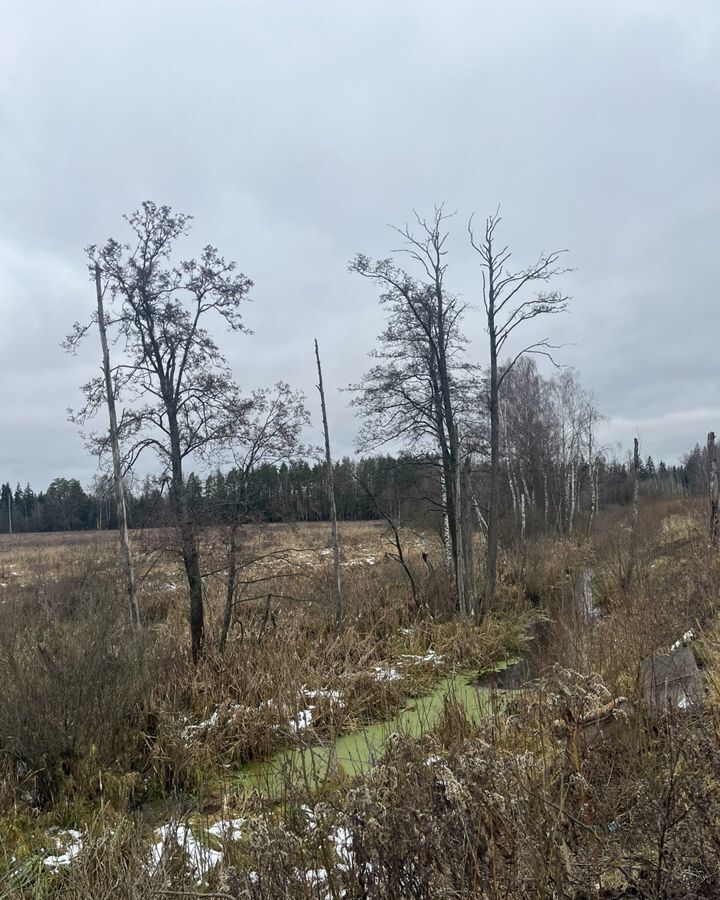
column 391, row 674
column 303, row 720
column 191, row 730
column 227, row 831
column 70, row 842
column 333, row 696
column 200, row 857
column 299, row 722
column 430, row 656
column 394, row 673
column 368, row 561
column 343, row 845
column 219, row 716
column 686, row 639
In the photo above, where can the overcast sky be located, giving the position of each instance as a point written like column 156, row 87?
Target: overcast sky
column 295, row 132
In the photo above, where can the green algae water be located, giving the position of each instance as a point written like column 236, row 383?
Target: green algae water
column 311, row 766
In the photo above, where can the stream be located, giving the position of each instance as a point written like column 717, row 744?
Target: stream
column 352, row 754
column 310, row 764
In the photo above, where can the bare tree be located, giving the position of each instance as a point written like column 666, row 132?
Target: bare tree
column 399, row 553
column 267, row 435
column 117, row 465
column 507, row 309
column 337, row 587
column 416, row 390
column 182, row 401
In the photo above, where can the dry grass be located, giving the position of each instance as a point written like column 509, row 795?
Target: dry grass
column 508, row 807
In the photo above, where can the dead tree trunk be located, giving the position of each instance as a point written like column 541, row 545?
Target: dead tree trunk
column 714, row 490
column 460, row 542
column 447, row 542
column 593, row 495
column 117, row 470
column 630, row 572
column 491, row 548
column 188, row 537
column 337, row 590
column 468, row 540
column 636, row 483
column 231, row 584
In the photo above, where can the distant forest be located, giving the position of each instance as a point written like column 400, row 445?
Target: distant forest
column 401, row 487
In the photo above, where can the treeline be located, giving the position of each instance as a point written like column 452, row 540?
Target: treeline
column 289, row 492
column 402, row 487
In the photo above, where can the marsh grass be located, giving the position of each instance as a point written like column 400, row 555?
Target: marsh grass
column 117, row 736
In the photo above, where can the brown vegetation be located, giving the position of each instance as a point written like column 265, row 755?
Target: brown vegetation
column 120, row 737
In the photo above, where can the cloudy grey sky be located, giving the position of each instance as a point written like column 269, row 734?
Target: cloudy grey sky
column 294, row 132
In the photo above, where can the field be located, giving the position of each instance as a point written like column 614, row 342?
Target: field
column 383, row 759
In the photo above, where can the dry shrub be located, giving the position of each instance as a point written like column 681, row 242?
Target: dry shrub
column 76, row 687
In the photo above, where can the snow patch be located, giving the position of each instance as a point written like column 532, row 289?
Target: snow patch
column 391, row 674
column 686, row 639
column 70, row 842
column 200, row 858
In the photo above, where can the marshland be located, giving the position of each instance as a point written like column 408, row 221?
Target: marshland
column 388, row 758
column 359, row 494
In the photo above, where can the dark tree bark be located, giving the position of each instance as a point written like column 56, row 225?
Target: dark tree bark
column 337, row 587
column 182, row 400
column 414, row 393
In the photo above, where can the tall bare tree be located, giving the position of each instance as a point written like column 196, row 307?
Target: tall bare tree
column 182, row 401
column 508, row 308
column 330, row 479
column 414, row 392
column 116, row 459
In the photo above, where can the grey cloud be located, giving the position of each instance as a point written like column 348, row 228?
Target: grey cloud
column 294, row 133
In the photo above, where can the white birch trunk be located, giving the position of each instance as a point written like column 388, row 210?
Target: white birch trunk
column 117, row 469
